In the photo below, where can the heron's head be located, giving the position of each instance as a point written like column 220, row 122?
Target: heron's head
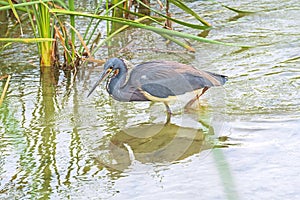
column 112, row 68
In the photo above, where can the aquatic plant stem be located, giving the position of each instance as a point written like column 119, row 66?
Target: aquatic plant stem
column 72, row 22
column 72, row 19
column 5, row 89
column 44, row 29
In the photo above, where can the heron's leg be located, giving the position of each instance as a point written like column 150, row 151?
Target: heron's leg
column 169, row 113
column 192, row 101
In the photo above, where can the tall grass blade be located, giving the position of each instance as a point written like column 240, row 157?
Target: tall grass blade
column 4, row 46
column 185, row 8
column 7, row 6
column 4, row 90
column 194, row 26
column 242, row 12
column 20, row 6
column 26, row 40
column 16, row 15
column 238, row 11
column 72, row 20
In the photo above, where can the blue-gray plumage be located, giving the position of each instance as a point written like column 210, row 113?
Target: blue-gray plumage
column 156, row 81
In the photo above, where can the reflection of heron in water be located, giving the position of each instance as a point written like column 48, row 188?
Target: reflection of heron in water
column 151, row 143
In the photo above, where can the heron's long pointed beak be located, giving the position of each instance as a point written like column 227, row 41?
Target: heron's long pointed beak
column 103, row 76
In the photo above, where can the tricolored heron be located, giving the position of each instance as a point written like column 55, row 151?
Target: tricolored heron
column 158, row 81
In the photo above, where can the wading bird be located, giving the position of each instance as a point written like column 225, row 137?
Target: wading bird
column 158, row 81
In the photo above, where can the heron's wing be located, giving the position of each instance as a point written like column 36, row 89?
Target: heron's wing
column 165, row 78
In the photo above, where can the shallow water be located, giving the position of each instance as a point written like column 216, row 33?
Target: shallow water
column 240, row 144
